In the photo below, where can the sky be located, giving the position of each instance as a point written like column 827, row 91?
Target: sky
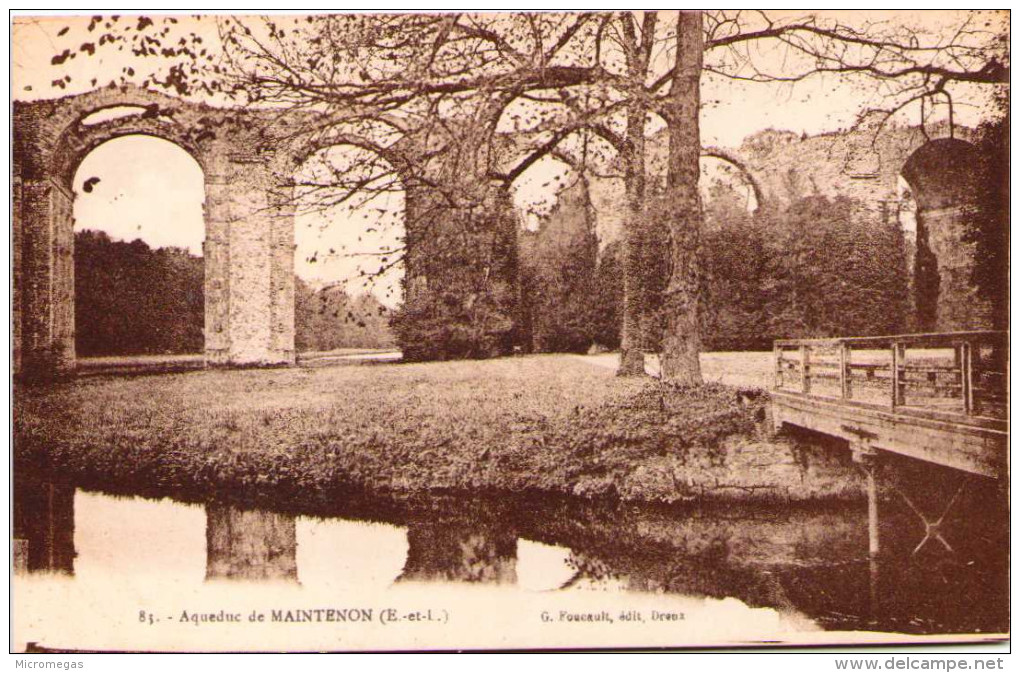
column 151, row 189
column 148, row 188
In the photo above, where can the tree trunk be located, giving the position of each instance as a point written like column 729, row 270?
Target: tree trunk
column 681, row 341
column 635, row 287
column 632, row 357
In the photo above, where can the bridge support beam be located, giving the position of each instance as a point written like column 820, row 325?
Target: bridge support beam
column 867, row 458
column 932, row 527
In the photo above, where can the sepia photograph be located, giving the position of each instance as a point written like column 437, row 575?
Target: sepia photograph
column 509, row 331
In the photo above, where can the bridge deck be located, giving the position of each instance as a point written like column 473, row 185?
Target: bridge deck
column 940, row 398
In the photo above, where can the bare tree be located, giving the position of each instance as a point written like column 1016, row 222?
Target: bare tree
column 435, row 94
column 570, row 61
column 904, row 65
column 901, row 65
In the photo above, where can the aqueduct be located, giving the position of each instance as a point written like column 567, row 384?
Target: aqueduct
column 249, row 223
column 951, row 182
column 248, row 252
column 461, row 256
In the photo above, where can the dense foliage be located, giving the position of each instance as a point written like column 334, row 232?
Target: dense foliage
column 460, row 282
column 133, row 300
column 991, row 227
column 816, row 267
column 558, row 279
column 813, row 267
column 832, row 269
column 608, row 299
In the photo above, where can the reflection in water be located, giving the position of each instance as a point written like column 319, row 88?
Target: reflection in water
column 43, row 526
column 808, row 561
column 542, row 567
column 460, row 552
column 249, row 544
column 662, row 569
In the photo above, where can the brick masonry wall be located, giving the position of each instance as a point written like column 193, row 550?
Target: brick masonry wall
column 248, row 248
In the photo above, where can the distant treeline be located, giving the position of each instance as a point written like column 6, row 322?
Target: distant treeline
column 133, row 300
column 814, row 267
column 328, row 318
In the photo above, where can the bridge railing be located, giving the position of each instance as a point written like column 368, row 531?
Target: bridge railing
column 956, row 373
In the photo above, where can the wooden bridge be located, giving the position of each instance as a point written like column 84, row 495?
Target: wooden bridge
column 940, row 398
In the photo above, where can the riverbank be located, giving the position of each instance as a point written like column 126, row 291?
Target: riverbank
column 541, row 423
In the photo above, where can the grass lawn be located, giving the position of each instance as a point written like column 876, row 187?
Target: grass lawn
column 549, row 422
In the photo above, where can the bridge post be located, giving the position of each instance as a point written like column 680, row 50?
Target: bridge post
column 865, row 455
column 867, row 458
column 844, row 371
column 964, row 357
column 777, row 372
column 899, row 358
column 805, row 369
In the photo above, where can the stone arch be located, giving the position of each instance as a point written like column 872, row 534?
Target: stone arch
column 946, row 177
column 151, row 189
column 327, row 219
column 749, row 177
column 249, row 236
column 78, row 144
column 460, row 243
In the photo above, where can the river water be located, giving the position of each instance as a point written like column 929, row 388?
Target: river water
column 122, row 572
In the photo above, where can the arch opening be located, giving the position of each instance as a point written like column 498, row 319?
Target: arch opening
column 247, row 248
column 945, row 181
column 138, row 237
column 351, row 251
